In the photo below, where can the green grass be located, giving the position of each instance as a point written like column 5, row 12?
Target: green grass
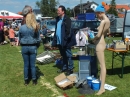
column 12, row 83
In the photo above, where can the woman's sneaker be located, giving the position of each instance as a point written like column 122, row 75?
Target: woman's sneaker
column 26, row 82
column 34, row 82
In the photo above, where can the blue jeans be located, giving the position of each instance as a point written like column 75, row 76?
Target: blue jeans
column 67, row 58
column 29, row 57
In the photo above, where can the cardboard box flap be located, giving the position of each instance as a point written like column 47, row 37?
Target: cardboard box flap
column 66, row 84
column 72, row 78
column 60, row 77
column 63, row 81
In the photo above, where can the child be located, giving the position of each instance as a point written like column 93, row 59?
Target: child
column 12, row 36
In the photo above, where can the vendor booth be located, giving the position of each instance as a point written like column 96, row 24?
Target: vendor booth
column 121, row 48
column 4, row 14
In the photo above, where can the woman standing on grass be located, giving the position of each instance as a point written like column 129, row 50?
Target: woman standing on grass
column 28, row 37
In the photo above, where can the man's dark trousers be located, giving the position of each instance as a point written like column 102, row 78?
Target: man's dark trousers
column 67, row 58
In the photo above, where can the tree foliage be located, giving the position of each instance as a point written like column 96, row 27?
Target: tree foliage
column 47, row 7
column 112, row 9
column 69, row 12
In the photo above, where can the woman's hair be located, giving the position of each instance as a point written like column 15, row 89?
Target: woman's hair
column 31, row 21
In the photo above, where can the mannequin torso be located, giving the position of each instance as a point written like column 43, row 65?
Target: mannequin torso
column 103, row 29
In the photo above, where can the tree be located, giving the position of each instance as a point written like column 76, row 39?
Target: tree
column 112, row 9
column 69, row 12
column 47, row 7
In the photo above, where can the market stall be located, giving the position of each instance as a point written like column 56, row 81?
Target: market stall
column 4, row 14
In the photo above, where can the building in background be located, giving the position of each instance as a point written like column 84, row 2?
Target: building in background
column 85, row 7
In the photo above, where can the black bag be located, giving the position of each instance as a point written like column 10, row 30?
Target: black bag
column 38, row 44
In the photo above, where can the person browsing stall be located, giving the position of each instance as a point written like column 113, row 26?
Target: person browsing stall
column 64, row 40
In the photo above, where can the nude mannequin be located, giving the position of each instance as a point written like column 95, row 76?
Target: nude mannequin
column 99, row 41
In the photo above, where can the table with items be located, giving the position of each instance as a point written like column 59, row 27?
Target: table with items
column 121, row 54
column 120, row 49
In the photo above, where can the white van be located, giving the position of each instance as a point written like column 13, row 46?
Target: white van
column 117, row 26
column 126, row 28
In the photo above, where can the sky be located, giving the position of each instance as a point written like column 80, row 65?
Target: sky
column 17, row 5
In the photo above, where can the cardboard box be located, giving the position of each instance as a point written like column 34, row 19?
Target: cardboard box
column 64, row 81
column 120, row 47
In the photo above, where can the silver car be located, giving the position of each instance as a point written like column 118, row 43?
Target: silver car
column 50, row 24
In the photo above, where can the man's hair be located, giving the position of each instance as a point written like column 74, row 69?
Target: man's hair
column 63, row 8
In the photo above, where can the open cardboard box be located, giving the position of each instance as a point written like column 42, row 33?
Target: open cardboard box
column 64, row 81
column 120, row 46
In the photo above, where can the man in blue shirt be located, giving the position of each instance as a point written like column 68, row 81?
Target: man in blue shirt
column 64, row 40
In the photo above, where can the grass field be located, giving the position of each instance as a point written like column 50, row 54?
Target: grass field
column 12, row 83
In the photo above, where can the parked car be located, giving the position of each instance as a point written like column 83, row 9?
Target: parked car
column 79, row 24
column 50, row 24
column 116, row 26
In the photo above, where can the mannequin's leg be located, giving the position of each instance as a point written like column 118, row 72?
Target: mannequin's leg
column 101, row 58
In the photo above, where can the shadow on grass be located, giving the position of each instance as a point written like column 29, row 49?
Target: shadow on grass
column 118, row 71
column 38, row 73
column 58, row 66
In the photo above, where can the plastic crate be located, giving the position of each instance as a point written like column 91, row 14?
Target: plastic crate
column 87, row 66
column 86, row 16
column 84, row 67
column 43, row 60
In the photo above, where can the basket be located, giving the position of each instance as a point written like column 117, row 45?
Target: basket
column 45, row 57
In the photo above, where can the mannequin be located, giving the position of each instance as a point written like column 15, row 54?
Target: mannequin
column 99, row 41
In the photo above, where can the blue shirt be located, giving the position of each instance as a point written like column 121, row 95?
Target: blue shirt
column 58, row 31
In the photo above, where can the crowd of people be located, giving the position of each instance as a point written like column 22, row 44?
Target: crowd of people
column 9, row 32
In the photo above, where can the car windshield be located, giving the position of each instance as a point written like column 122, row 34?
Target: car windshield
column 77, row 24
column 83, row 24
column 92, row 24
column 50, row 23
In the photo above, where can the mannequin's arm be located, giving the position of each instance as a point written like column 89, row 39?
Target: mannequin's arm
column 100, row 30
column 98, row 27
column 109, row 32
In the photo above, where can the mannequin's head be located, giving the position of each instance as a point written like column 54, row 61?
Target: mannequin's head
column 100, row 11
column 100, row 15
